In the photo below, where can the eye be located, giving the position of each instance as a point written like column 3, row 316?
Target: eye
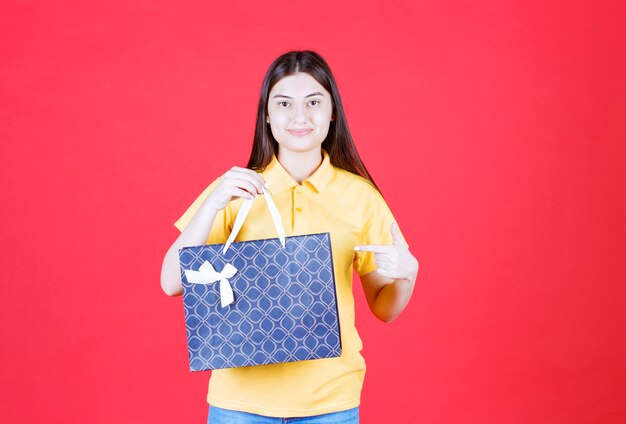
column 283, row 104
column 314, row 102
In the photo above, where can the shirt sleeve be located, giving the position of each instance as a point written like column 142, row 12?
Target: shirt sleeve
column 376, row 230
column 222, row 224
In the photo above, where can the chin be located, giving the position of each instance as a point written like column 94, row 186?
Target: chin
column 300, row 147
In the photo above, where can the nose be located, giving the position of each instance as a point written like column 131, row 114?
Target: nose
column 300, row 114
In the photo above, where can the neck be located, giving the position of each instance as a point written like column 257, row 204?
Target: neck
column 300, row 165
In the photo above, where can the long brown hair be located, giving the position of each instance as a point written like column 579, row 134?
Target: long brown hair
column 338, row 142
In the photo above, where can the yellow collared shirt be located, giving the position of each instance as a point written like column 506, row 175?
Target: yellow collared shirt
column 354, row 213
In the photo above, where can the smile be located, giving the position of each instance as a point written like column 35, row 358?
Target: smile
column 300, row 133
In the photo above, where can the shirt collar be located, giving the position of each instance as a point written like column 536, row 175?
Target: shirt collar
column 279, row 179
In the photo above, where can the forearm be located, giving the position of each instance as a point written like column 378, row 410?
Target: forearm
column 196, row 233
column 393, row 298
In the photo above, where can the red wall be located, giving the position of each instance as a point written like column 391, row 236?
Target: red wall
column 496, row 130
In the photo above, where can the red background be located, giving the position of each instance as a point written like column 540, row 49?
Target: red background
column 496, row 130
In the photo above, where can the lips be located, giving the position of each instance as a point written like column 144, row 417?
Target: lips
column 300, row 133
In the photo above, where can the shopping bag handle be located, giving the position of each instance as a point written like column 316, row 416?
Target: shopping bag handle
column 243, row 213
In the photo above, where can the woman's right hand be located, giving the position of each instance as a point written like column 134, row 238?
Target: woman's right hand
column 236, row 182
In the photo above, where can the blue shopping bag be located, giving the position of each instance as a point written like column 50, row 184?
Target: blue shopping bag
column 261, row 301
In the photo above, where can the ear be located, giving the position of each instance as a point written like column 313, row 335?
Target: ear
column 267, row 119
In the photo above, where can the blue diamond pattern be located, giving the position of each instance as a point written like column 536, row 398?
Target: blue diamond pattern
column 285, row 305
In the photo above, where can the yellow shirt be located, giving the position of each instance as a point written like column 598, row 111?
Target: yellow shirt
column 354, row 213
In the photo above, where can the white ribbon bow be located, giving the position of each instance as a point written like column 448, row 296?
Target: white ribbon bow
column 206, row 274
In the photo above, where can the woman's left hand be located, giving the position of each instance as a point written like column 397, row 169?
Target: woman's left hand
column 393, row 260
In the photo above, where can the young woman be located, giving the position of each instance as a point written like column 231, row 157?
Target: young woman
column 303, row 154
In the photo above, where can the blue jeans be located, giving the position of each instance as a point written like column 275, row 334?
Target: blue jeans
column 226, row 416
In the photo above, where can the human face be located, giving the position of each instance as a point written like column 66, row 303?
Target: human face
column 299, row 113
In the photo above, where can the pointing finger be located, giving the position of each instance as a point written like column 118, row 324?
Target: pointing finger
column 376, row 248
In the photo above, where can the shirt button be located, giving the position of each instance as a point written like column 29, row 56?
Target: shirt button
column 298, row 209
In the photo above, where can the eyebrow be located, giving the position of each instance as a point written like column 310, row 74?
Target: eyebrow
column 287, row 97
